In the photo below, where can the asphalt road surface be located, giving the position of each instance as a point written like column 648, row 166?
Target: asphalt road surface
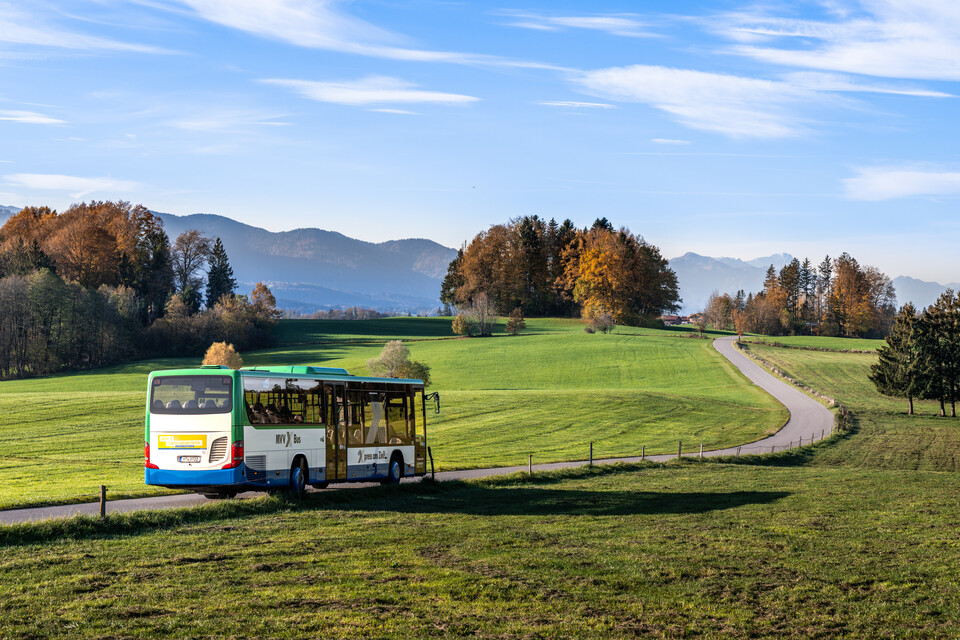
column 809, row 421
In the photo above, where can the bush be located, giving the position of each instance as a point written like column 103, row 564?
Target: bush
column 462, row 325
column 223, row 354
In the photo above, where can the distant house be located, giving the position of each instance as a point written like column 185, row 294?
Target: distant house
column 694, row 318
column 671, row 320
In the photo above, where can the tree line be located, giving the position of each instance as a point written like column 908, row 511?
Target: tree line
column 838, row 297
column 546, row 268
column 921, row 359
column 101, row 283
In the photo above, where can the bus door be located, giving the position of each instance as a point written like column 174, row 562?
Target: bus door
column 418, row 422
column 336, row 432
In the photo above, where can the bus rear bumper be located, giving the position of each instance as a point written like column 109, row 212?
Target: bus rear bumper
column 194, row 478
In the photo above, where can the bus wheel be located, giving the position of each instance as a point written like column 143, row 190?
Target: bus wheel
column 395, row 471
column 298, row 478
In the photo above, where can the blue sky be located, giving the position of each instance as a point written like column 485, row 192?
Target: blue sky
column 725, row 128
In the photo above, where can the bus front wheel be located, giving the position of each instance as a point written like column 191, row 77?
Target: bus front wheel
column 298, row 478
column 394, row 471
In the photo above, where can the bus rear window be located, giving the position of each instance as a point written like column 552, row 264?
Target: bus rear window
column 191, row 395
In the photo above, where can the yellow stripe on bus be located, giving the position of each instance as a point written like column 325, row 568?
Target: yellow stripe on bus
column 182, row 442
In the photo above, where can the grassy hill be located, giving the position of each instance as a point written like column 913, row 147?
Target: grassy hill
column 548, row 392
column 836, row 540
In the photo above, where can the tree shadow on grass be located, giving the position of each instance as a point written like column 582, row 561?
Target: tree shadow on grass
column 453, row 498
column 539, row 501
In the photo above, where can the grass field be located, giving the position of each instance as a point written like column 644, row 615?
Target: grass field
column 841, row 539
column 819, row 342
column 548, row 392
column 682, row 550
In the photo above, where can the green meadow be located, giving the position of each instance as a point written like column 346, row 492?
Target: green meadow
column 547, row 392
column 852, row 537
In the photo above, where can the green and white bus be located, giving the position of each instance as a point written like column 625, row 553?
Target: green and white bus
column 218, row 431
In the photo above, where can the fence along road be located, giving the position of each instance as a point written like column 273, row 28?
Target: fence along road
column 808, row 421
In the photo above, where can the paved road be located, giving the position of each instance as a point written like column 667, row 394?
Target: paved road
column 808, row 420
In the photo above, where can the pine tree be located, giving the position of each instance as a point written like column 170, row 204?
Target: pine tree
column 220, row 280
column 899, row 371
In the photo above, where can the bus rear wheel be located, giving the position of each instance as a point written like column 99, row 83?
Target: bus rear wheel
column 394, row 471
column 298, row 478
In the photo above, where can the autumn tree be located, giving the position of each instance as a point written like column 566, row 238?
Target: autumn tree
column 223, row 354
column 516, row 323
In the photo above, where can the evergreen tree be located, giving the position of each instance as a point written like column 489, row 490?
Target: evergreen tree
column 220, row 280
column 453, row 280
column 899, row 371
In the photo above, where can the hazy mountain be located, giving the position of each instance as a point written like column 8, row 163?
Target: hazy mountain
column 699, row 276
column 7, row 212
column 919, row 292
column 309, row 269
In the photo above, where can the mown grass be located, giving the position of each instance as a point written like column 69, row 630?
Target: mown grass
column 885, row 436
column 819, row 342
column 679, row 550
column 548, row 392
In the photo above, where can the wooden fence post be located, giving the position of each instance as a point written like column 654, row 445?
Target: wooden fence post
column 643, row 452
column 591, row 454
column 679, row 448
column 103, row 501
column 530, row 464
column 701, row 451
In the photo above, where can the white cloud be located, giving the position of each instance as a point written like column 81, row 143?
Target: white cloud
column 917, row 39
column 28, row 117
column 321, row 24
column 838, row 82
column 669, row 141
column 576, row 105
column 369, row 91
column 732, row 105
column 75, row 186
column 888, row 183
column 18, row 27
column 402, row 112
column 618, row 25
column 227, row 120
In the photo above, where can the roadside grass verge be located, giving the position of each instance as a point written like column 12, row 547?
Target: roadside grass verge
column 547, row 392
column 884, row 436
column 659, row 550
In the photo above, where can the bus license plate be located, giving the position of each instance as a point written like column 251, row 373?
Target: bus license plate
column 188, row 458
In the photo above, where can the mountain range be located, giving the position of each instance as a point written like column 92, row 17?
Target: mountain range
column 699, row 276
column 310, row 269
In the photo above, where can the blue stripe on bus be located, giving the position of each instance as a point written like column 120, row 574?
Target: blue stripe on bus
column 169, row 477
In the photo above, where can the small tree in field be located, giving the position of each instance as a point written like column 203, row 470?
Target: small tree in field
column 462, row 325
column 223, row 354
column 394, row 362
column 516, row 323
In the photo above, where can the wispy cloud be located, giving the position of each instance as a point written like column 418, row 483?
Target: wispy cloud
column 838, row 82
column 28, row 117
column 371, row 90
column 888, row 183
column 218, row 120
column 323, row 24
column 576, row 105
column 735, row 106
column 22, row 28
column 615, row 24
column 917, row 39
column 76, row 187
column 669, row 141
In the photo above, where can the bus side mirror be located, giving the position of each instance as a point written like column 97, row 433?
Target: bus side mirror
column 435, row 396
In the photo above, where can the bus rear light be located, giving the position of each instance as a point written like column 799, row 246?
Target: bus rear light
column 146, row 457
column 236, row 455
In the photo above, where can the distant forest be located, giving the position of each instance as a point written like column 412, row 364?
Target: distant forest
column 546, row 268
column 101, row 283
column 839, row 297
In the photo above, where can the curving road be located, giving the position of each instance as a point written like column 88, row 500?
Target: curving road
column 809, row 420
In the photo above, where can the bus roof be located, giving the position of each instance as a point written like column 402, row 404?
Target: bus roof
column 323, row 373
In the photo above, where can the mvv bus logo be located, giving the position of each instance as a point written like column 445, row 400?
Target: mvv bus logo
column 286, row 439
